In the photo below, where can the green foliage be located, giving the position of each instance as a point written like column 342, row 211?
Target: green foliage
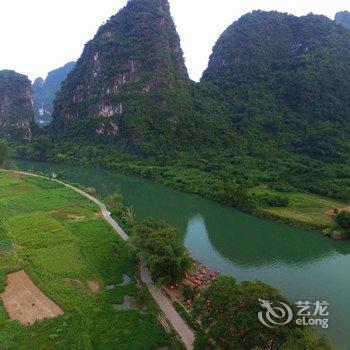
column 342, row 220
column 274, row 200
column 62, row 244
column 124, row 215
column 281, row 187
column 283, row 82
column 228, row 312
column 202, row 341
column 271, row 109
column 16, row 112
column 4, row 153
column 130, row 88
column 188, row 292
column 209, row 174
column 91, row 191
column 60, row 176
column 234, row 194
column 115, row 203
column 165, row 256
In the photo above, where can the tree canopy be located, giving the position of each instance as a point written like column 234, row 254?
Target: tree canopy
column 229, row 315
column 164, row 254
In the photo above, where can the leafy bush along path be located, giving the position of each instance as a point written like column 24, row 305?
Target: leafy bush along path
column 185, row 333
column 65, row 245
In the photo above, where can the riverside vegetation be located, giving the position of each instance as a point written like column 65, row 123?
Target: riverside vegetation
column 78, row 246
column 75, row 246
column 226, row 311
column 251, row 191
column 266, row 129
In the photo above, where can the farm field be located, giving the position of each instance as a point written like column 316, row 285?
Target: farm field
column 304, row 209
column 69, row 252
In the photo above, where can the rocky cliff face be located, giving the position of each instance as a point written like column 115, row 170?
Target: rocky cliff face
column 343, row 18
column 131, row 82
column 16, row 106
column 44, row 93
column 286, row 79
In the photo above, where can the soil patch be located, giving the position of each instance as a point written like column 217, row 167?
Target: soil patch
column 98, row 216
column 65, row 216
column 94, row 286
column 24, row 301
column 16, row 175
column 74, row 283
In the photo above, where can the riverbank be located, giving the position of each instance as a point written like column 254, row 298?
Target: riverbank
column 232, row 242
column 72, row 255
column 304, row 210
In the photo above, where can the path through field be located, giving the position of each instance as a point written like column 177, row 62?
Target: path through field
column 185, row 333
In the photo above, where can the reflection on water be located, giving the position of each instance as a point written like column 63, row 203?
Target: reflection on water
column 308, row 268
column 198, row 243
column 304, row 265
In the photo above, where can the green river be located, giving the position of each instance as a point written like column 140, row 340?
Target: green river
column 303, row 265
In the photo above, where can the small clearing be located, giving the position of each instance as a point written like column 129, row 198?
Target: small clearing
column 24, row 301
column 94, row 286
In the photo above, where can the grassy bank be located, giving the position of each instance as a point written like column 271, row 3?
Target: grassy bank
column 305, row 210
column 305, row 189
column 62, row 242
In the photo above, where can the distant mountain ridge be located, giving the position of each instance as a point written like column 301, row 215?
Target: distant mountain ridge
column 16, row 106
column 343, row 18
column 44, row 93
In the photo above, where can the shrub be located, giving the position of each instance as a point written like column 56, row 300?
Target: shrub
column 115, row 203
column 202, row 341
column 166, row 257
column 4, row 153
column 281, row 187
column 274, row 200
column 188, row 292
column 92, row 192
column 343, row 220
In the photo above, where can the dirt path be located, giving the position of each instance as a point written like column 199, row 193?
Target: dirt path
column 185, row 333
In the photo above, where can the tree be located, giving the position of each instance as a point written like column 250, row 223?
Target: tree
column 233, row 194
column 115, row 203
column 166, row 257
column 343, row 220
column 229, row 314
column 4, row 153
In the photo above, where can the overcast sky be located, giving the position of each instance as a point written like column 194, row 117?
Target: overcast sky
column 37, row 36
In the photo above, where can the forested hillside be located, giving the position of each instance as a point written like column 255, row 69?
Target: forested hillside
column 286, row 82
column 131, row 86
column 16, row 106
column 270, row 116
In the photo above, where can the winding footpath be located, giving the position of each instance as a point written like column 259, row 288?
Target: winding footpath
column 185, row 333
